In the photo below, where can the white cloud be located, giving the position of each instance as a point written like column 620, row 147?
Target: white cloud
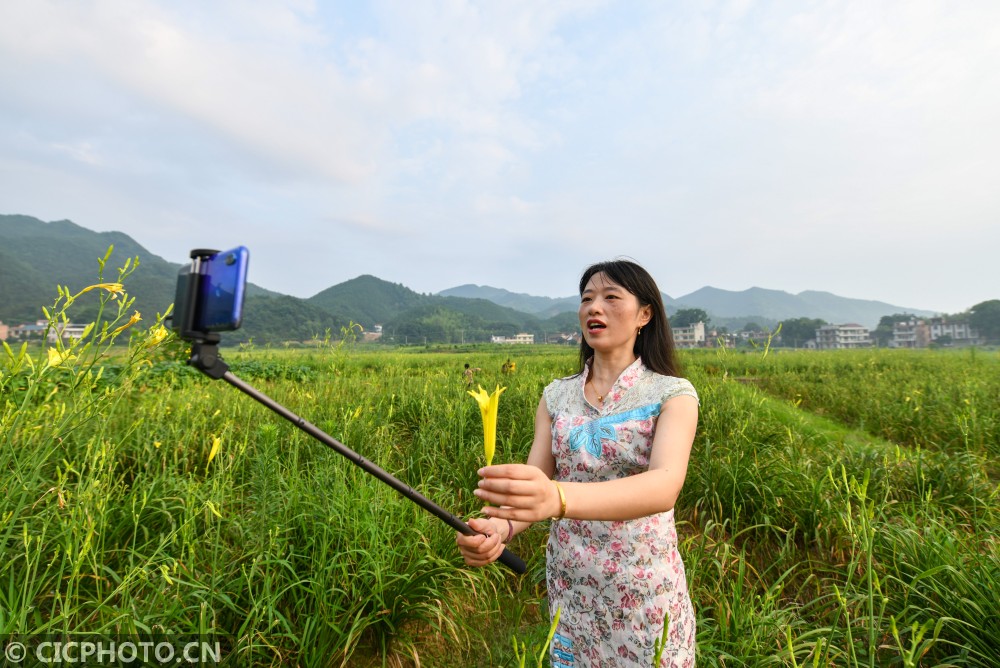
column 719, row 139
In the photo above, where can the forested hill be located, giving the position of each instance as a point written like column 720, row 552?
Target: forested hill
column 38, row 256
column 407, row 316
column 368, row 300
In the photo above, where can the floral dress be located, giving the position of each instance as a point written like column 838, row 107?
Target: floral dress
column 614, row 582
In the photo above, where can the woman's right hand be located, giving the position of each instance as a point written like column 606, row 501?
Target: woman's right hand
column 484, row 547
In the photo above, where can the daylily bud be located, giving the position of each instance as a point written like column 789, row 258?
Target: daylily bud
column 489, row 407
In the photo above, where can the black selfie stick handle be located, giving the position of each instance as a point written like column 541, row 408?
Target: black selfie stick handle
column 208, row 355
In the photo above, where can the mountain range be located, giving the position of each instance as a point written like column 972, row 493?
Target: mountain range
column 725, row 307
column 36, row 256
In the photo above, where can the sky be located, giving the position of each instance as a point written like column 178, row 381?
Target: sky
column 848, row 147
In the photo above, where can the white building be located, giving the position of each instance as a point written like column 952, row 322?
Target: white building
column 916, row 333
column 692, row 336
column 66, row 330
column 518, row 338
column 961, row 333
column 911, row 333
column 838, row 337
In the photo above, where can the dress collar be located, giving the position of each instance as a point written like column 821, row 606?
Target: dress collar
column 625, row 380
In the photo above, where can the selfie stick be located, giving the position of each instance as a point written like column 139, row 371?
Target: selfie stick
column 205, row 357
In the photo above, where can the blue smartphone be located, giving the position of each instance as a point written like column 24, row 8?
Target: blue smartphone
column 222, row 287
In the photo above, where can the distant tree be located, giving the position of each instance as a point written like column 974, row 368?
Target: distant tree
column 883, row 331
column 795, row 332
column 985, row 316
column 752, row 327
column 686, row 317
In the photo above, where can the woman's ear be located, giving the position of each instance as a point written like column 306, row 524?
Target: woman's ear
column 645, row 315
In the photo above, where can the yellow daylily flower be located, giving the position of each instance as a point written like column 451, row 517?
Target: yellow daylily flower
column 216, row 444
column 157, row 335
column 131, row 321
column 57, row 357
column 113, row 288
column 488, row 407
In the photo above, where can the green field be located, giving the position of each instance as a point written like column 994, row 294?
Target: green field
column 840, row 508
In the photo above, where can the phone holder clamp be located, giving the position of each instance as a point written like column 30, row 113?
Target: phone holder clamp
column 206, row 358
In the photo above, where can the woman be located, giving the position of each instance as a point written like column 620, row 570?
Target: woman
column 607, row 463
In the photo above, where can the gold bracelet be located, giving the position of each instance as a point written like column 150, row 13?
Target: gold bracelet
column 562, row 500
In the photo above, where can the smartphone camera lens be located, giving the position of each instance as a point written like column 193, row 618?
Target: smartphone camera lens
column 230, row 259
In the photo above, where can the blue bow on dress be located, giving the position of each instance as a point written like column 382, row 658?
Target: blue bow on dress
column 591, row 434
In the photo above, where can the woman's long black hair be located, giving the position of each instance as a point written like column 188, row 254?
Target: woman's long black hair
column 655, row 343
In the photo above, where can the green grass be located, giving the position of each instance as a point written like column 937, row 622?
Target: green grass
column 824, row 521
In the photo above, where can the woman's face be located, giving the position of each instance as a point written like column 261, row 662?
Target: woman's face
column 610, row 315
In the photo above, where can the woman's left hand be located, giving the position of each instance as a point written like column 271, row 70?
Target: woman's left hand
column 524, row 492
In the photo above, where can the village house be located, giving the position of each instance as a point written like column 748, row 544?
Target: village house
column 573, row 338
column 521, row 338
column 911, row 333
column 960, row 332
column 754, row 335
column 696, row 336
column 66, row 330
column 921, row 333
column 28, row 331
column 839, row 337
column 692, row 336
column 37, row 330
column 717, row 339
